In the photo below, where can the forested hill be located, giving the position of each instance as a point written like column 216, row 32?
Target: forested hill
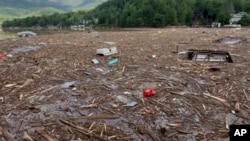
column 146, row 13
column 10, row 9
column 127, row 13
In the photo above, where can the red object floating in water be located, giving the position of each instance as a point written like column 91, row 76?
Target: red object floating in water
column 2, row 56
column 149, row 92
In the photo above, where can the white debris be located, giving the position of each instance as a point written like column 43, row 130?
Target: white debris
column 9, row 55
column 42, row 44
column 9, row 85
column 122, row 99
column 127, row 93
column 99, row 69
column 95, row 61
column 182, row 53
column 107, row 51
column 26, row 34
column 110, row 43
column 67, row 85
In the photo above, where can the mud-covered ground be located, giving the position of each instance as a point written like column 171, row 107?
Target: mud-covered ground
column 191, row 102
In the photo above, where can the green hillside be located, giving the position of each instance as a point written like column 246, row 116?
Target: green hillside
column 88, row 6
column 10, row 9
column 8, row 13
column 146, row 13
column 159, row 13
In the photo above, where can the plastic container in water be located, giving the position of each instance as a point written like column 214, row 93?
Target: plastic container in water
column 113, row 62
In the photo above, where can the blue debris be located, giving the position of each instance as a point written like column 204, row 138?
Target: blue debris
column 132, row 104
column 113, row 62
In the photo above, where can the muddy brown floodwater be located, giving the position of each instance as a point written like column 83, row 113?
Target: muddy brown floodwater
column 51, row 90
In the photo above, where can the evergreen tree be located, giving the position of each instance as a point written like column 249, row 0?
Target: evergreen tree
column 139, row 13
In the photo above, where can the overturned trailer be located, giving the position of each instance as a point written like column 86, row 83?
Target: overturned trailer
column 209, row 55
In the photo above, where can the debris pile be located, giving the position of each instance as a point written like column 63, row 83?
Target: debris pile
column 63, row 90
column 231, row 40
column 107, row 51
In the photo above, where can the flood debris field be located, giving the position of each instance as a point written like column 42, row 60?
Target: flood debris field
column 51, row 90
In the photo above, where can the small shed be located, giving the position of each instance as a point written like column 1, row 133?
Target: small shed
column 235, row 18
column 216, row 25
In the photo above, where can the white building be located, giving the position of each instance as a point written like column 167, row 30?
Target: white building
column 216, row 25
column 235, row 18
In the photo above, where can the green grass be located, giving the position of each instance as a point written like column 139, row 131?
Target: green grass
column 5, row 35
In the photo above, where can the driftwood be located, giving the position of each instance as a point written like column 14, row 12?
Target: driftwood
column 5, row 135
column 49, row 89
column 98, row 117
column 82, row 130
column 44, row 135
column 217, row 98
column 144, row 130
column 27, row 137
column 113, row 112
column 27, row 82
column 247, row 97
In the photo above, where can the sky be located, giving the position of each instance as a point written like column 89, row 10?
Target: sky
column 67, row 2
column 60, row 2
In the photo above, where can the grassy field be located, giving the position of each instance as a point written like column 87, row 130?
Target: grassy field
column 6, row 35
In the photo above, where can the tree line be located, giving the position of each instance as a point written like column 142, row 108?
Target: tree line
column 56, row 19
column 145, row 13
